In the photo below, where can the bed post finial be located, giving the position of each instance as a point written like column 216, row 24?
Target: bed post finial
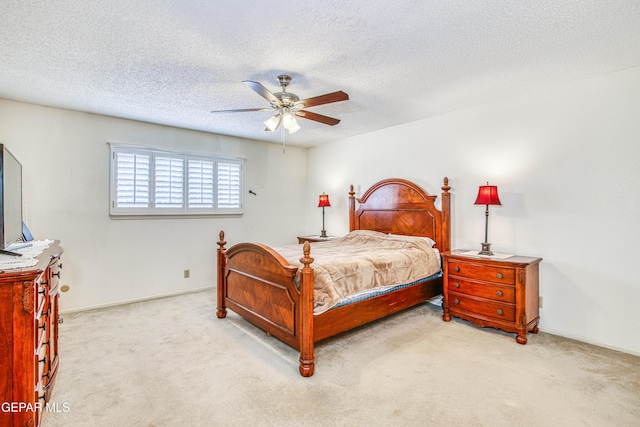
column 446, row 187
column 221, row 311
column 306, row 251
column 306, row 313
column 352, row 209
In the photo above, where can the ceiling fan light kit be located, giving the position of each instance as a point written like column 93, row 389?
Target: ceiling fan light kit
column 290, row 123
column 287, row 106
column 273, row 122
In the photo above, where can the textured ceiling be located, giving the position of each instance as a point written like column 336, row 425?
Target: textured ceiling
column 173, row 61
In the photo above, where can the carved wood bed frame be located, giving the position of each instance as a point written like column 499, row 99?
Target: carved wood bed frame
column 258, row 283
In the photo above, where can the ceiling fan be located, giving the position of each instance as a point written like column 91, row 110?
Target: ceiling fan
column 287, row 106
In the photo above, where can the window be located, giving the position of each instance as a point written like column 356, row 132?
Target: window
column 158, row 182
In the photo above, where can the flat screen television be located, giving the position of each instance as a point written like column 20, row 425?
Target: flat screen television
column 10, row 200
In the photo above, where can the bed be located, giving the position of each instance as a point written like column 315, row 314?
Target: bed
column 273, row 293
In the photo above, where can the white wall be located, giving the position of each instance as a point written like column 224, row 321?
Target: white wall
column 565, row 161
column 65, row 158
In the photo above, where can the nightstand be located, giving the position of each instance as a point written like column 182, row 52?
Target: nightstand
column 491, row 292
column 316, row 238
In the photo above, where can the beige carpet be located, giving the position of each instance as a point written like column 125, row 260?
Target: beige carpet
column 171, row 362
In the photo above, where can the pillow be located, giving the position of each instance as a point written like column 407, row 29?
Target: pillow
column 429, row 240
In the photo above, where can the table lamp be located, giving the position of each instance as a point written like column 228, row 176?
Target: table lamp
column 487, row 195
column 322, row 203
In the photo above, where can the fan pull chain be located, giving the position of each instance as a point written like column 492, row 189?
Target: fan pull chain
column 284, row 136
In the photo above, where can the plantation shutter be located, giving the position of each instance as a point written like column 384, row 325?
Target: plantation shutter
column 169, row 182
column 229, row 185
column 132, row 171
column 200, row 187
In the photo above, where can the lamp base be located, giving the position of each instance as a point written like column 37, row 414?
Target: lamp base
column 486, row 249
column 323, row 233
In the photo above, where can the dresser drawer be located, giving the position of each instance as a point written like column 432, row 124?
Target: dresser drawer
column 496, row 310
column 41, row 360
column 503, row 275
column 41, row 314
column 484, row 290
column 54, row 275
column 40, row 332
column 41, row 291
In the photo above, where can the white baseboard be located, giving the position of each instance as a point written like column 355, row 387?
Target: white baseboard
column 588, row 341
column 113, row 304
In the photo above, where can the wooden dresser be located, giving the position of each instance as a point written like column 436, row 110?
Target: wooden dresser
column 29, row 338
column 491, row 292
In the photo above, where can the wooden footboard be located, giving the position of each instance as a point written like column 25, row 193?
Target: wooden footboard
column 258, row 284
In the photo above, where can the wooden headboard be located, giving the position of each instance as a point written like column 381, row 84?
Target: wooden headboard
column 399, row 206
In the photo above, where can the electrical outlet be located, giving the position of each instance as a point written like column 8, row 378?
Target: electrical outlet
column 186, row 274
column 540, row 302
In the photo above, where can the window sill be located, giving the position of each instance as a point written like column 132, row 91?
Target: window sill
column 175, row 216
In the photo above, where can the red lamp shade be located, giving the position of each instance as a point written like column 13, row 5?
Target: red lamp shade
column 487, row 195
column 324, row 201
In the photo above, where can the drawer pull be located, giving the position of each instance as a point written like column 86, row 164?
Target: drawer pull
column 499, row 275
column 499, row 293
column 56, row 274
column 456, row 285
column 499, row 311
column 456, row 269
column 43, row 360
column 457, row 301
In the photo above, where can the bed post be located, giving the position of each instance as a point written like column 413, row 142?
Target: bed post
column 306, row 313
column 221, row 286
column 446, row 214
column 352, row 209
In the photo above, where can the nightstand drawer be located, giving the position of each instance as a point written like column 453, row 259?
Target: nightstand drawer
column 482, row 272
column 506, row 312
column 484, row 290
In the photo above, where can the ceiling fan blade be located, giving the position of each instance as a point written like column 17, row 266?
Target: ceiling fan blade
column 263, row 92
column 325, row 99
column 317, row 117
column 243, row 110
